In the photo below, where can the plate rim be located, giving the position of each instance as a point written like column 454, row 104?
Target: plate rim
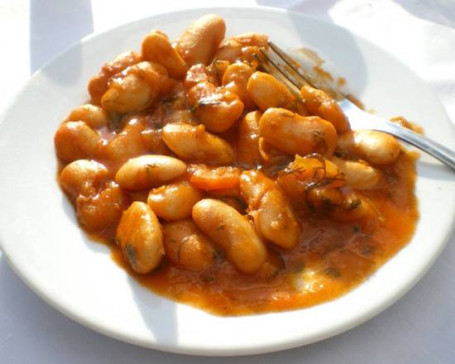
column 210, row 351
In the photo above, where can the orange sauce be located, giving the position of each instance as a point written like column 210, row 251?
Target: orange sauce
column 331, row 259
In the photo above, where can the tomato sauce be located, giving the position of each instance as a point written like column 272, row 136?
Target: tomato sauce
column 331, row 258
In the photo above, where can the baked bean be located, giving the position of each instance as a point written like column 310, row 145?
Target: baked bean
column 216, row 71
column 94, row 116
column 296, row 134
column 232, row 231
column 197, row 73
column 82, row 177
column 323, row 199
column 75, row 140
column 216, row 107
column 199, row 43
column 241, row 46
column 354, row 207
column 127, row 94
column 140, row 237
column 276, row 220
column 272, row 214
column 248, row 153
column 315, row 169
column 212, row 73
column 359, row 175
column 307, row 173
column 252, row 39
column 174, row 201
column 103, row 210
column 229, row 50
column 98, row 84
column 266, row 92
column 374, row 146
column 135, row 88
column 156, row 47
column 214, row 178
column 235, row 79
column 187, row 247
column 318, row 103
column 129, row 143
column 147, row 171
column 194, row 143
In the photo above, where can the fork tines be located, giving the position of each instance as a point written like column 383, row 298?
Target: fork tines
column 293, row 74
column 274, row 61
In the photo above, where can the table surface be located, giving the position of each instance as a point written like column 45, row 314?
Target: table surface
column 420, row 328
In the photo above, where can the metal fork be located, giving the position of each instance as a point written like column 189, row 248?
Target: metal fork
column 276, row 62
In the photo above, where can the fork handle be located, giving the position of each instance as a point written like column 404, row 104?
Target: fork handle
column 429, row 146
column 438, row 151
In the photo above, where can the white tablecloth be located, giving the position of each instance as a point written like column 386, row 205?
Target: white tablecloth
column 420, row 328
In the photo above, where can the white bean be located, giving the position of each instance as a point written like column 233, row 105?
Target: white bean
column 194, row 143
column 232, row 231
column 359, row 175
column 147, row 171
column 272, row 213
column 81, row 176
column 373, row 146
column 75, row 140
column 200, row 41
column 174, row 201
column 140, row 237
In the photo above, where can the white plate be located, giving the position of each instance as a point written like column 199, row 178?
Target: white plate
column 42, row 241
